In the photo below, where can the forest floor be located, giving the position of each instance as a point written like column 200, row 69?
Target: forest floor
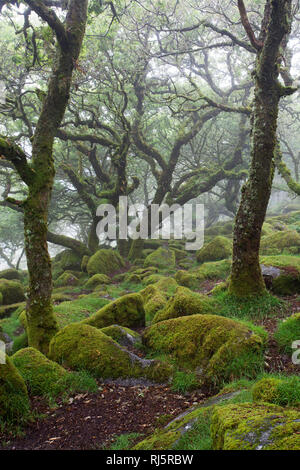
column 92, row 421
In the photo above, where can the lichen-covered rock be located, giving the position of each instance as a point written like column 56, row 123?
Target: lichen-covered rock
column 287, row 241
column 105, row 262
column 97, row 280
column 186, row 279
column 255, row 427
column 39, row 373
column 217, row 348
column 11, row 275
column 122, row 335
column 12, row 292
column 219, row 248
column 14, row 401
column 128, row 311
column 162, row 258
column 80, row 346
column 66, row 279
column 185, row 302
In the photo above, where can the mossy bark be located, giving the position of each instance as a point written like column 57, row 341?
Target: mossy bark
column 39, row 174
column 246, row 278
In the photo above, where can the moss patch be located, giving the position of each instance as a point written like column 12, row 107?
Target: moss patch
column 161, row 258
column 219, row 248
column 12, row 292
column 105, row 262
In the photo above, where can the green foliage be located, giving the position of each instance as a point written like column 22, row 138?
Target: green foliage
column 124, row 441
column 280, row 390
column 287, row 332
column 183, row 382
column 198, row 437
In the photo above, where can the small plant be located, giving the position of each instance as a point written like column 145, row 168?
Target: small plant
column 184, row 381
column 198, row 437
column 124, row 441
column 287, row 332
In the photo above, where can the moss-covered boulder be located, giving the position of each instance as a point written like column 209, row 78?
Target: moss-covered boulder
column 185, row 302
column 11, row 275
column 80, row 346
column 152, row 279
column 84, row 263
column 154, row 300
column 12, row 292
column 187, row 279
column 281, row 242
column 66, row 279
column 105, row 262
column 161, row 258
column 255, row 427
column 214, row 270
column 68, row 260
column 219, row 248
column 128, row 311
column 39, row 373
column 122, row 335
column 217, row 348
column 97, row 280
column 14, row 401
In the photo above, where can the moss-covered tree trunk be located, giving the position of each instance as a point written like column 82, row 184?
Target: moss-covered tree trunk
column 39, row 173
column 246, row 278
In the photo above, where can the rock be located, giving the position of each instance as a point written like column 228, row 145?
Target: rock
column 105, row 262
column 81, row 346
column 186, row 279
column 185, row 302
column 39, row 373
column 12, row 292
column 97, row 280
column 68, row 260
column 154, row 300
column 161, row 258
column 127, row 311
column 66, row 279
column 218, row 249
column 217, row 348
column 122, row 335
column 255, row 427
column 11, row 275
column 14, row 401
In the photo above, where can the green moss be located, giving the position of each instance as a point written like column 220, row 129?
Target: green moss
column 214, row 270
column 161, row 258
column 122, row 335
column 11, row 275
column 68, row 259
column 280, row 242
column 287, row 332
column 216, row 347
column 185, row 302
column 255, row 427
column 12, row 292
column 79, row 309
column 20, row 342
column 105, row 262
column 66, row 279
column 286, row 284
column 14, row 402
column 283, row 391
column 80, row 346
column 128, row 311
column 96, row 280
column 219, row 248
column 84, row 263
column 186, row 279
column 282, row 261
column 154, row 300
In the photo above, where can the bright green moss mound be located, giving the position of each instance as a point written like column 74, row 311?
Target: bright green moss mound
column 288, row 331
column 40, row 374
column 187, row 279
column 283, row 391
column 128, row 311
column 287, row 241
column 219, row 248
column 68, row 259
column 79, row 309
column 11, row 275
column 97, row 280
column 154, row 300
column 282, row 261
column 161, row 258
column 122, row 335
column 185, row 302
column 105, row 262
column 214, row 270
column 255, row 427
column 80, row 346
column 12, row 292
column 14, row 402
column 217, row 348
column 66, row 279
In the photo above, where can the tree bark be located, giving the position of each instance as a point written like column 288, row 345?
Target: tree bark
column 246, row 278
